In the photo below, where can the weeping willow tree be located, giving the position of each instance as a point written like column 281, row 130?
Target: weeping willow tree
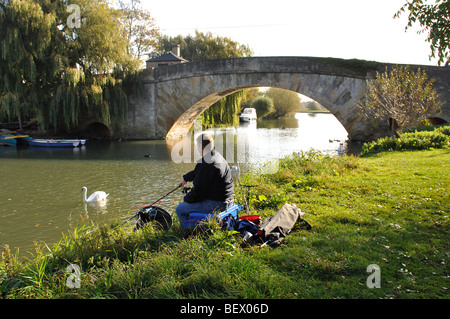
column 61, row 73
column 90, row 82
column 25, row 34
column 101, row 97
column 224, row 112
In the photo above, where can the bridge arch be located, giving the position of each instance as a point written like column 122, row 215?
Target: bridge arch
column 435, row 120
column 174, row 96
column 94, row 129
column 182, row 125
column 337, row 94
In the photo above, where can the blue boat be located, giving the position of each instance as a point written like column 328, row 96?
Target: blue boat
column 55, row 143
column 12, row 138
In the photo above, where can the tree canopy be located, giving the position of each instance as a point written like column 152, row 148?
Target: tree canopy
column 284, row 102
column 24, row 37
column 401, row 94
column 434, row 19
column 263, row 106
column 60, row 72
column 203, row 46
column 62, row 63
column 140, row 28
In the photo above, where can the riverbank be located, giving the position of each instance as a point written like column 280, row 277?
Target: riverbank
column 389, row 209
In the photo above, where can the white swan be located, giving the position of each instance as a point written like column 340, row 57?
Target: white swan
column 98, row 196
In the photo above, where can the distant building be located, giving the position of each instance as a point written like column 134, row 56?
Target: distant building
column 166, row 59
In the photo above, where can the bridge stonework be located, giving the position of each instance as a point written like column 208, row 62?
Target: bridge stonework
column 174, row 96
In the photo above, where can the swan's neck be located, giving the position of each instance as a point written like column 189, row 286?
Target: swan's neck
column 84, row 194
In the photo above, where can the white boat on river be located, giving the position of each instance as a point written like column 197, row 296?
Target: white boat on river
column 248, row 114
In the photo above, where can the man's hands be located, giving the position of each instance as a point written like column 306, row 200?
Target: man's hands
column 182, row 183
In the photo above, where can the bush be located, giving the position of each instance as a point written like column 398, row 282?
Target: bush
column 422, row 140
column 418, row 140
column 444, row 130
column 263, row 106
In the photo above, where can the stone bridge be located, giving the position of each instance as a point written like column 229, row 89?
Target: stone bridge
column 172, row 97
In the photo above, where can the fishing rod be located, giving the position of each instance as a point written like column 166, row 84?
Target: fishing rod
column 173, row 190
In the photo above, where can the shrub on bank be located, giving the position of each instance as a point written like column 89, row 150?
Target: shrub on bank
column 412, row 140
column 444, row 130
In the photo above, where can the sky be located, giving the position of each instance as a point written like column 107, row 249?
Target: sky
column 347, row 29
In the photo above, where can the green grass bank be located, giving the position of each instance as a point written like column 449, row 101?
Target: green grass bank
column 390, row 209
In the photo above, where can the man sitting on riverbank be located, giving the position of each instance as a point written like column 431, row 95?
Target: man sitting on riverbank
column 213, row 185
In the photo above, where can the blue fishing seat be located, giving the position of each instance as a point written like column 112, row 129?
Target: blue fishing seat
column 195, row 218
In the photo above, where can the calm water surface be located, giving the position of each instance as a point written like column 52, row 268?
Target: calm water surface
column 40, row 187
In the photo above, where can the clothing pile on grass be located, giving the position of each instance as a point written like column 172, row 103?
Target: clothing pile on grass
column 272, row 231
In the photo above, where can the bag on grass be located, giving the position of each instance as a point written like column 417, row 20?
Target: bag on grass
column 277, row 227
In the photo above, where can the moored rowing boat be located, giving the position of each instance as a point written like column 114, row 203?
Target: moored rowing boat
column 56, row 143
column 12, row 138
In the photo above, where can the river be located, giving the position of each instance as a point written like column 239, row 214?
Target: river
column 40, row 187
